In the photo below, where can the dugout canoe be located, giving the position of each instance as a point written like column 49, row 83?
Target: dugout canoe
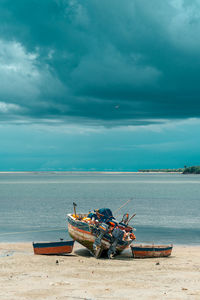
column 49, row 248
column 150, row 251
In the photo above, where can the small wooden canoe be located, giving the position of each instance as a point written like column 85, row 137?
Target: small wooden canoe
column 149, row 251
column 62, row 247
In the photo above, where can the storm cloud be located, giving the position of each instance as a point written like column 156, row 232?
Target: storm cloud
column 105, row 62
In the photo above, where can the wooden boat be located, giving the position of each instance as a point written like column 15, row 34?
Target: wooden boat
column 149, row 251
column 86, row 232
column 61, row 247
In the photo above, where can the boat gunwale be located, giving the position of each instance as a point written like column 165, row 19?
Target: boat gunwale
column 152, row 247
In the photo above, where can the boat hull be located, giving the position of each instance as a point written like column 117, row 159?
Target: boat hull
column 82, row 233
column 48, row 248
column 147, row 251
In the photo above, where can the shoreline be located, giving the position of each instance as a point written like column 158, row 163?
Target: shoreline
column 25, row 276
column 87, row 172
column 136, row 242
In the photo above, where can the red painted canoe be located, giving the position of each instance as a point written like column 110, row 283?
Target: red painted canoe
column 149, row 251
column 62, row 247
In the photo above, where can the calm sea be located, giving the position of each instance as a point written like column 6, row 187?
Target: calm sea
column 33, row 206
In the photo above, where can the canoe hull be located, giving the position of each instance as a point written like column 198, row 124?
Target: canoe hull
column 48, row 248
column 151, row 251
column 84, row 238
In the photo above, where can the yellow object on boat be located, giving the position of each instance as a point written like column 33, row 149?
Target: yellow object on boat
column 86, row 219
column 75, row 216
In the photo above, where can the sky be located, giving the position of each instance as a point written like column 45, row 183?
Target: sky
column 95, row 85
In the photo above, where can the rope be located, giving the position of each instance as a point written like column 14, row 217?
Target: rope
column 19, row 232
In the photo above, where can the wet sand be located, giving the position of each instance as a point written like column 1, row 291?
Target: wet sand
column 25, row 276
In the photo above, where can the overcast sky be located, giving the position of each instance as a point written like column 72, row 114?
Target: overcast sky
column 99, row 85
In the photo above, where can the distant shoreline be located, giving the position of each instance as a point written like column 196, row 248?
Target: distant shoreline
column 89, row 172
column 185, row 170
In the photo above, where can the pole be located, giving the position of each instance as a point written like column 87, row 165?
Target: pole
column 74, row 204
column 131, row 218
column 122, row 206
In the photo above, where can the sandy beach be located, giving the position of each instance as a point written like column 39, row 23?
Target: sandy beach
column 80, row 276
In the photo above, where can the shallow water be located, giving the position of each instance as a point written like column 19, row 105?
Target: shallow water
column 34, row 205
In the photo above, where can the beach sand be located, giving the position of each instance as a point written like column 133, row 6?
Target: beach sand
column 24, row 275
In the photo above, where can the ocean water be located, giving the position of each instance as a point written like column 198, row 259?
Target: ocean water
column 33, row 206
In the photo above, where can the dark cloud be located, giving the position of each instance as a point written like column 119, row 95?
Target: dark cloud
column 106, row 62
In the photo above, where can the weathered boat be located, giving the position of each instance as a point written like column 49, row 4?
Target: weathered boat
column 105, row 235
column 150, row 251
column 61, row 247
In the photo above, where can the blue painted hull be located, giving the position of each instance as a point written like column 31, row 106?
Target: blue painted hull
column 151, row 251
column 61, row 247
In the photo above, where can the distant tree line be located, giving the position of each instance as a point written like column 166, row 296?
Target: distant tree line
column 191, row 170
column 180, row 170
column 185, row 170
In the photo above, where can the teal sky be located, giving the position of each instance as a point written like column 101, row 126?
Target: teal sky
column 99, row 85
